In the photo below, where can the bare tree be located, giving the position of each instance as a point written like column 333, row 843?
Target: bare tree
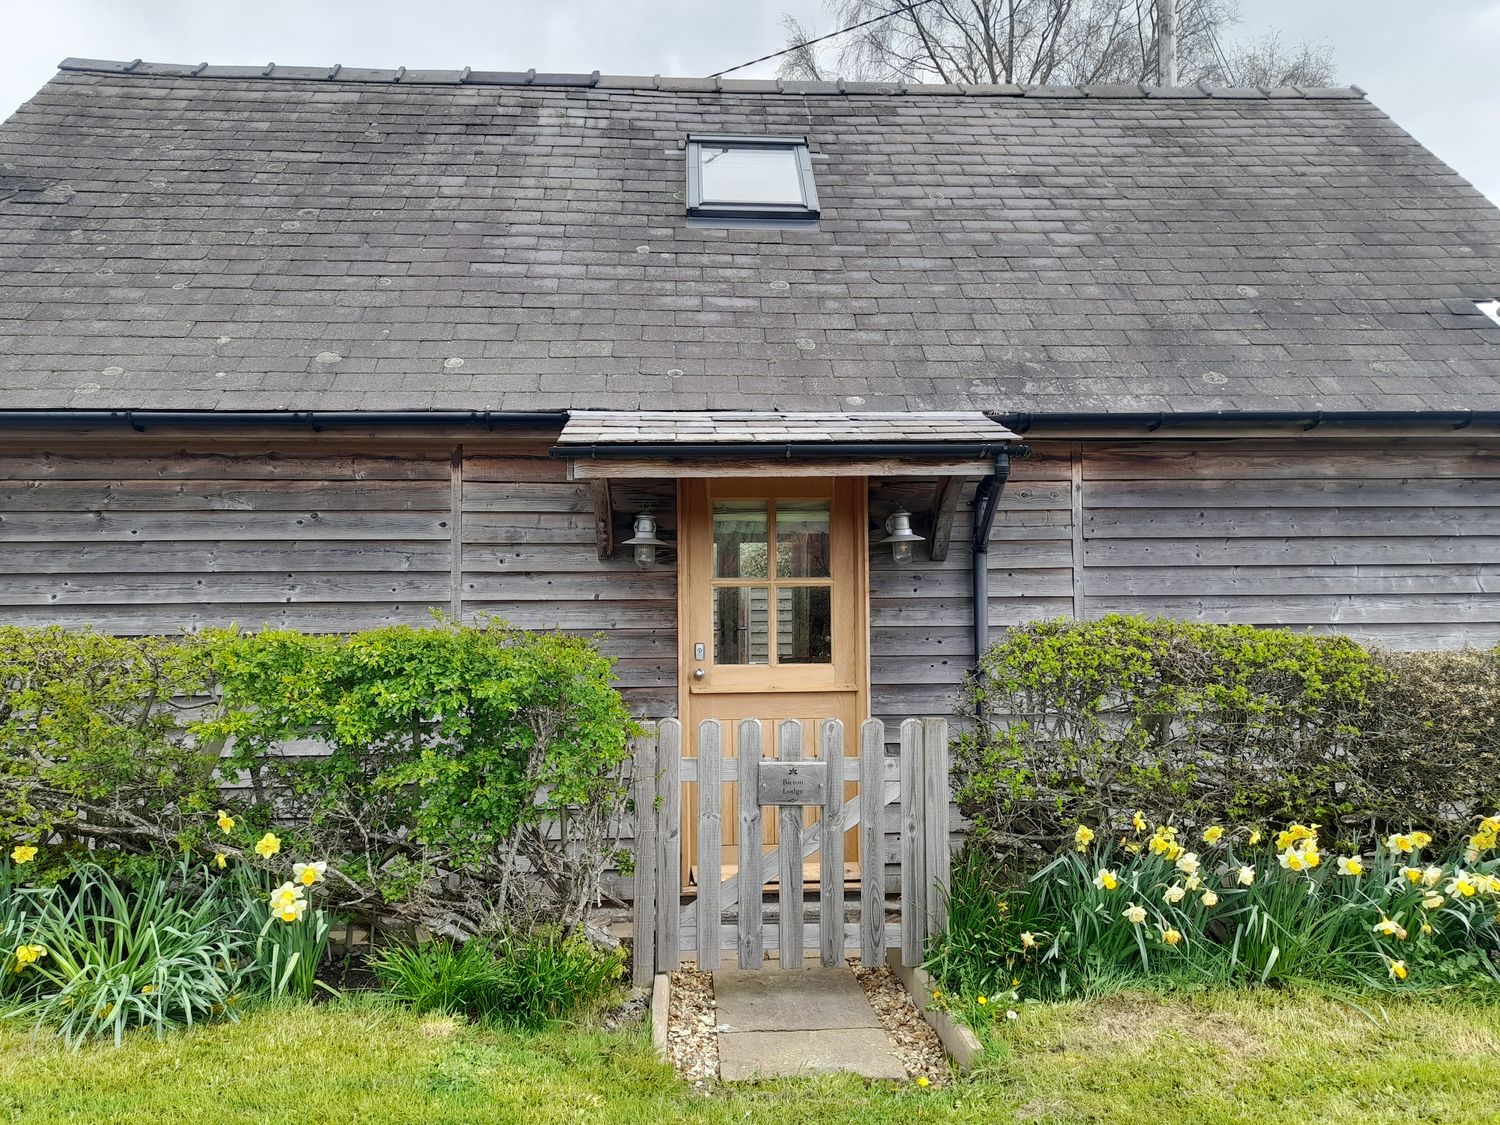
column 1042, row 41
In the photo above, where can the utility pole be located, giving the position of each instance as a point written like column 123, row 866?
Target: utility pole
column 1166, row 42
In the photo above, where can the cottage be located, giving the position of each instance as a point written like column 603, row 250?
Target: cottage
column 794, row 392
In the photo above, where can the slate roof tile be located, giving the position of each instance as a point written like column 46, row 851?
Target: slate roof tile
column 205, row 234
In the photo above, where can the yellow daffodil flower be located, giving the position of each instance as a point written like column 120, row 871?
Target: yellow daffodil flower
column 1295, row 834
column 1433, row 901
column 22, row 853
column 1171, row 937
column 220, row 860
column 1412, row 875
column 28, row 955
column 309, row 873
column 1106, row 880
column 1420, row 840
column 1138, row 821
column 1350, row 865
column 1135, row 915
column 1399, row 843
column 268, row 845
column 1398, row 970
column 1254, row 836
column 1083, row 837
column 1432, row 876
column 1212, row 834
column 1427, row 928
column 1028, row 940
column 1133, row 847
column 292, row 911
column 1209, row 899
column 1174, row 894
column 147, row 989
column 1462, row 884
column 225, row 822
column 285, row 895
column 1192, row 882
column 1246, row 876
column 1390, row 928
column 1188, row 864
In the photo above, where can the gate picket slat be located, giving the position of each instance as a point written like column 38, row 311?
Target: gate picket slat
column 872, row 877
column 668, row 843
column 710, row 792
column 751, row 939
column 935, row 818
column 831, row 855
column 789, row 889
column 643, row 781
column 913, row 841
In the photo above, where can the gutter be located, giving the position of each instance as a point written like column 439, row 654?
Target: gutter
column 315, row 420
column 1151, row 421
column 786, row 451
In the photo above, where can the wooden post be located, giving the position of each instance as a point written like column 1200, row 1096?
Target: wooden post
column 789, row 882
column 710, row 795
column 871, row 851
column 935, row 803
column 747, row 761
column 913, row 845
column 643, row 782
column 831, row 865
column 669, row 844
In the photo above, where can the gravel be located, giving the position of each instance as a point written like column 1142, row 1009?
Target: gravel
column 692, row 1032
column 917, row 1045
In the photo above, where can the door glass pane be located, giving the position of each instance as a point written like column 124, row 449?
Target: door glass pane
column 750, row 174
column 741, row 625
column 740, row 539
column 804, row 625
column 802, row 539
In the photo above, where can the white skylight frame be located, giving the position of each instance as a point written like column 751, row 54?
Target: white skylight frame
column 752, row 212
column 1490, row 309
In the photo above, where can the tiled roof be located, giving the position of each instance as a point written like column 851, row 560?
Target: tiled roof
column 304, row 239
column 656, row 427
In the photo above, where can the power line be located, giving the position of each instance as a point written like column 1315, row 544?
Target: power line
column 903, row 10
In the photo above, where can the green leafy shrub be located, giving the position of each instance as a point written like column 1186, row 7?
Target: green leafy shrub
column 515, row 979
column 92, row 749
column 1090, row 720
column 99, row 957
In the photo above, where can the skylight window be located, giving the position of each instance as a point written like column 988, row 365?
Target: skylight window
column 751, row 181
column 1490, row 309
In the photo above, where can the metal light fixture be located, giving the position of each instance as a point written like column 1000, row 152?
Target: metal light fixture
column 900, row 536
column 644, row 540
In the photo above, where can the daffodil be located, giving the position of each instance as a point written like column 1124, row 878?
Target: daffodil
column 1412, row 875
column 285, row 895
column 1350, row 865
column 1246, row 876
column 1398, row 970
column 1188, row 863
column 1192, row 882
column 1106, row 880
column 22, row 853
column 1432, row 901
column 225, row 822
column 1295, row 834
column 220, row 860
column 1212, row 834
column 309, row 873
column 1171, row 937
column 1255, row 836
column 1135, row 915
column 147, row 989
column 1399, row 843
column 1390, row 928
column 1209, row 899
column 268, row 845
column 1420, row 840
column 1291, row 860
column 1174, row 894
column 292, row 911
column 1083, row 837
column 1432, row 876
column 1462, row 884
column 1427, row 928
column 1028, row 940
column 28, row 955
column 1138, row 821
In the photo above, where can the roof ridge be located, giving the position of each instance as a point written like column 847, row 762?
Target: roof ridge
column 595, row 80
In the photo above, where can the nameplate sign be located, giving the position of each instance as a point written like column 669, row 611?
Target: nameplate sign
column 792, row 783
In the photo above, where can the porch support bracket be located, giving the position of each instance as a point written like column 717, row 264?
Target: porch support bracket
column 604, row 518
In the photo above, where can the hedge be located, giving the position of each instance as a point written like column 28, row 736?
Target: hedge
column 1091, row 721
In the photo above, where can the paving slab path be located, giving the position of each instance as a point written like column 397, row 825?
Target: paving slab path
column 773, row 1023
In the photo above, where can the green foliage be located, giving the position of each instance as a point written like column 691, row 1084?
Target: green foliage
column 491, row 752
column 164, row 952
column 291, row 942
column 513, row 979
column 90, row 724
column 1089, row 721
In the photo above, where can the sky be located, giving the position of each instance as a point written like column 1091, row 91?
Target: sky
column 1432, row 66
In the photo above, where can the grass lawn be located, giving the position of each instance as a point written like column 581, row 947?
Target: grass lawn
column 1262, row 1057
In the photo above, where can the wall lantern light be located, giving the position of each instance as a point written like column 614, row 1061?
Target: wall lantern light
column 644, row 540
column 900, row 536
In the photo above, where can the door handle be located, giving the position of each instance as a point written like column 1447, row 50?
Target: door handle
column 698, row 673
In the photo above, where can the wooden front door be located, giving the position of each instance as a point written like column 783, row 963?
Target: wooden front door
column 773, row 583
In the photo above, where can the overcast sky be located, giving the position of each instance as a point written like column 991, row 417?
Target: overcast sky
column 1435, row 66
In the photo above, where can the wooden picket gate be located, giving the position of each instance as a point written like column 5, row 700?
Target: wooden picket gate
column 665, row 929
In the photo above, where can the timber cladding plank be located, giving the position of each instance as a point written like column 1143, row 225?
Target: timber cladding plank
column 63, row 527
column 224, row 557
column 223, row 495
column 172, row 464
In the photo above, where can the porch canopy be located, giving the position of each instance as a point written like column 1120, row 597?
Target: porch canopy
column 602, row 446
